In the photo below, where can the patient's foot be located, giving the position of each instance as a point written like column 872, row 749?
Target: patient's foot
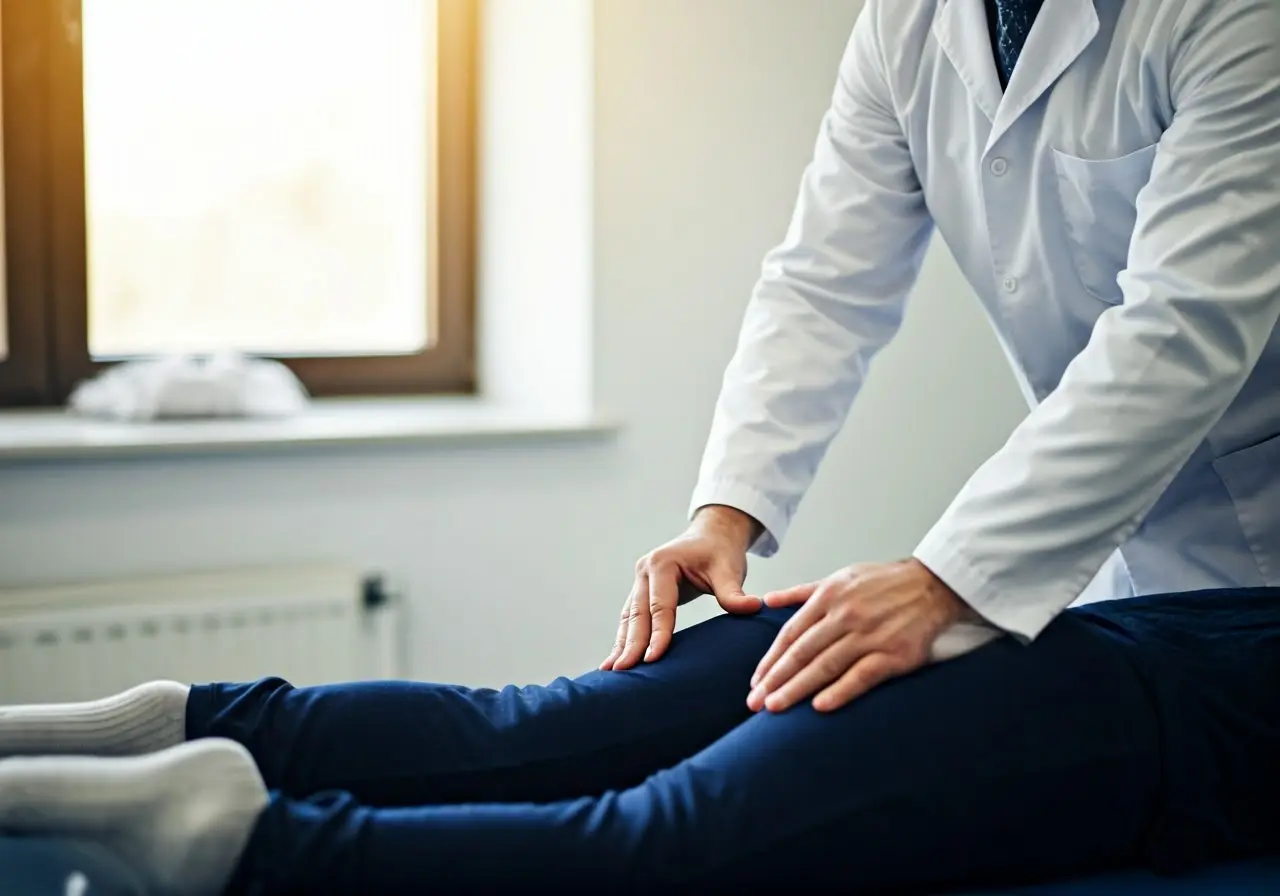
column 144, row 719
column 180, row 818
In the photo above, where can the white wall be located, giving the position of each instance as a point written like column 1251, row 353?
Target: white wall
column 518, row 555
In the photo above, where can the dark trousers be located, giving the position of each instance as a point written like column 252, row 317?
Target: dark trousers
column 1141, row 731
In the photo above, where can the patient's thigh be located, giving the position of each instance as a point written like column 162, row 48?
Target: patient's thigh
column 1011, row 762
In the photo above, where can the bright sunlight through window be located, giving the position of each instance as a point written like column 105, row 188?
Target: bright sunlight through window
column 257, row 175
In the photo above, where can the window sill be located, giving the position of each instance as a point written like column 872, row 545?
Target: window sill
column 56, row 435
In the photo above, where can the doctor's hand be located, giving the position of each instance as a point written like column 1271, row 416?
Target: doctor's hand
column 709, row 558
column 857, row 629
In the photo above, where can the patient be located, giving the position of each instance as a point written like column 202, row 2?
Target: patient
column 1124, row 734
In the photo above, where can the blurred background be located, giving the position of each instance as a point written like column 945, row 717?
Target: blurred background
column 551, row 210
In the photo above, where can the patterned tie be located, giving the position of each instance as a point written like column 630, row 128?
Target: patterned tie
column 1011, row 23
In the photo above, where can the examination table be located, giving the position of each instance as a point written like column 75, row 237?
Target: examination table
column 50, row 867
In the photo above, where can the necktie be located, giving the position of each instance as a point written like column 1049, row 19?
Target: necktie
column 1011, row 23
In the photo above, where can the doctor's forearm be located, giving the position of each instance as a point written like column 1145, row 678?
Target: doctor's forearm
column 829, row 297
column 1075, row 480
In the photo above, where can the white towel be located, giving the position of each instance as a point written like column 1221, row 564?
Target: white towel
column 191, row 386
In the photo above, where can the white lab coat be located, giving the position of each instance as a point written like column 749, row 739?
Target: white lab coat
column 1117, row 211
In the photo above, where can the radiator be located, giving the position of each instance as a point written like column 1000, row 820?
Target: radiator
column 311, row 626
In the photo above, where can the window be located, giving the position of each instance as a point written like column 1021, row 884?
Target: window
column 288, row 178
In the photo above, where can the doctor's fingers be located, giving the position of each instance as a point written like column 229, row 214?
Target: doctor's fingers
column 824, row 669
column 871, row 671
column 620, row 640
column 806, row 648
column 639, row 626
column 661, row 600
column 813, row 610
column 787, row 597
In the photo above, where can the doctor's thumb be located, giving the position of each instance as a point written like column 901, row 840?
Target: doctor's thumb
column 732, row 598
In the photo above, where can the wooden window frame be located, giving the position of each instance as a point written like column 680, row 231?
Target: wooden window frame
column 45, row 227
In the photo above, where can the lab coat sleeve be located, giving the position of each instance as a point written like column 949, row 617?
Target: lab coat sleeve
column 1201, row 297
column 829, row 296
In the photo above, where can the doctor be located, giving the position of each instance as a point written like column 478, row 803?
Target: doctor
column 1107, row 174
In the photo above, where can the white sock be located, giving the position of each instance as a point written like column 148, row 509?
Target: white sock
column 180, row 818
column 150, row 717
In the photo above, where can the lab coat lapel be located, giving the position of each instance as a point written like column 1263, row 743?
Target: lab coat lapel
column 1062, row 30
column 961, row 30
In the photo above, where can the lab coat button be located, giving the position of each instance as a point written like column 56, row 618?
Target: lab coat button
column 999, row 167
column 1010, row 284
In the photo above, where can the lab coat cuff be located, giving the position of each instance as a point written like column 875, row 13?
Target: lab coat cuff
column 750, row 500
column 1024, row 619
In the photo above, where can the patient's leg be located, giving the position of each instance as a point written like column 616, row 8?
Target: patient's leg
column 412, row 743
column 1012, row 761
column 1144, row 729
column 1008, row 762
column 405, row 743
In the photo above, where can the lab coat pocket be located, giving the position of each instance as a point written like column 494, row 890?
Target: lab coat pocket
column 1252, row 478
column 1099, row 207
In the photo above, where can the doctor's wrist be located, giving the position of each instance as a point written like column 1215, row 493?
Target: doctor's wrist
column 730, row 523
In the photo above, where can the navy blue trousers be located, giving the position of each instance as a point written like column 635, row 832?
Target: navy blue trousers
column 1141, row 731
